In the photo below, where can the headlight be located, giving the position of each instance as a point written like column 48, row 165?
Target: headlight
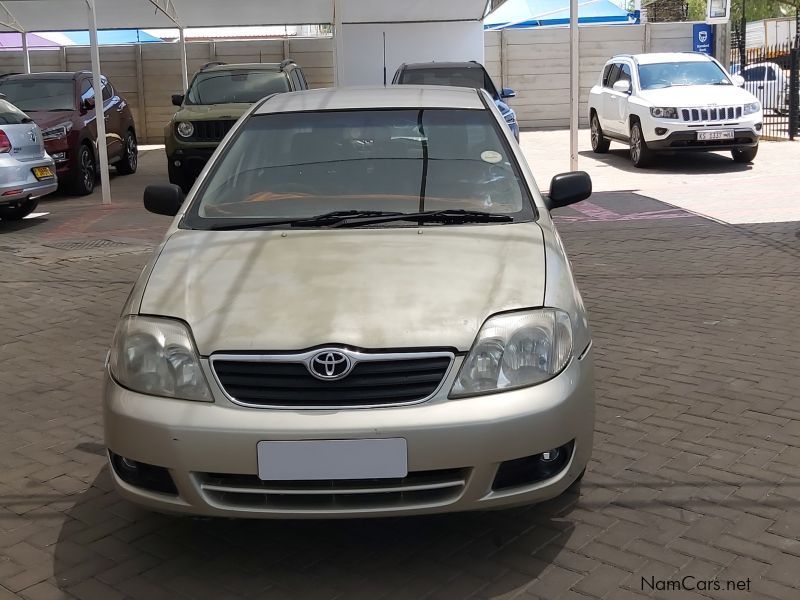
column 664, row 112
column 516, row 350
column 58, row 132
column 157, row 356
column 751, row 108
column 510, row 118
column 185, row 129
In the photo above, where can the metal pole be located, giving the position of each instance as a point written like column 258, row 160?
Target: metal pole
column 574, row 81
column 26, row 55
column 99, row 107
column 743, row 38
column 338, row 43
column 184, row 61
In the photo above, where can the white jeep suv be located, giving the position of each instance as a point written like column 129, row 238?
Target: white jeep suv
column 673, row 101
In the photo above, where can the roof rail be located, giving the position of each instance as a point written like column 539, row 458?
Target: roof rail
column 214, row 63
column 286, row 62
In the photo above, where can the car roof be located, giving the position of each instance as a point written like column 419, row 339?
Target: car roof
column 665, row 57
column 355, row 98
column 244, row 67
column 48, row 75
column 442, row 65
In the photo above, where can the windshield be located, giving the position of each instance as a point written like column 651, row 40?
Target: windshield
column 661, row 75
column 37, row 94
column 469, row 77
column 226, row 87
column 297, row 165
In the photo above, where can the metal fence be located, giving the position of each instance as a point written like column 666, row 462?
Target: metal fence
column 772, row 74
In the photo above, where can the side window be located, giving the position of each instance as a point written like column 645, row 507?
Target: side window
column 108, row 91
column 754, row 74
column 295, row 80
column 625, row 72
column 606, row 73
column 613, row 75
column 87, row 91
column 302, row 78
column 771, row 74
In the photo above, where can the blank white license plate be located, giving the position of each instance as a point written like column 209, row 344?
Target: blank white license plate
column 333, row 459
column 724, row 134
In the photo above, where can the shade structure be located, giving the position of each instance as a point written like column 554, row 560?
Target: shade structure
column 113, row 37
column 523, row 14
column 13, row 41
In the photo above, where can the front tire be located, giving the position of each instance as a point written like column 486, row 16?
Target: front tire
column 20, row 211
column 130, row 155
column 745, row 155
column 600, row 143
column 82, row 183
column 641, row 155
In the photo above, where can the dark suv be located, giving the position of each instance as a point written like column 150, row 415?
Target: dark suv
column 63, row 106
column 218, row 95
column 459, row 74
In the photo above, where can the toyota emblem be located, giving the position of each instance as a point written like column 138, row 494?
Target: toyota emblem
column 329, row 365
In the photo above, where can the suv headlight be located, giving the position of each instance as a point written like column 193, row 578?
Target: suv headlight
column 751, row 108
column 185, row 129
column 516, row 350
column 157, row 356
column 57, row 132
column 664, row 112
column 510, row 118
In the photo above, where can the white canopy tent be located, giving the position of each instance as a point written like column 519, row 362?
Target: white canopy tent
column 27, row 16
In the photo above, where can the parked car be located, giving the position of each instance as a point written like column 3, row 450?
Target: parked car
column 459, row 74
column 217, row 96
column 673, row 102
column 767, row 82
column 63, row 105
column 26, row 171
column 362, row 308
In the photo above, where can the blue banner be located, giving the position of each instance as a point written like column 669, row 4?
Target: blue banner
column 703, row 38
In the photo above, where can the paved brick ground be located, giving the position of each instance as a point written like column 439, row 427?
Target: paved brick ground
column 696, row 468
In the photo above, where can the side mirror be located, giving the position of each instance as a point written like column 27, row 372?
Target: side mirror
column 165, row 199
column 508, row 93
column 737, row 80
column 88, row 104
column 623, row 86
column 569, row 188
column 177, row 99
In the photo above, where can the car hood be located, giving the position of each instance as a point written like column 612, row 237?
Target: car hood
column 210, row 112
column 698, row 95
column 369, row 288
column 46, row 119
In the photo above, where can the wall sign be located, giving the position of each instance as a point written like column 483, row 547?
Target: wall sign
column 703, row 38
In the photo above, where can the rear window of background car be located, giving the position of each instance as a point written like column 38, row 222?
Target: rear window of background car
column 11, row 115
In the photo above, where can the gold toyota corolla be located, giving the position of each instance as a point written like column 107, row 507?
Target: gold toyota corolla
column 362, row 308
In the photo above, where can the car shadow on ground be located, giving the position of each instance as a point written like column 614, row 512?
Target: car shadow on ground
column 450, row 556
column 689, row 163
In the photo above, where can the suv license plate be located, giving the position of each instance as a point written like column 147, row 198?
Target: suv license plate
column 725, row 134
column 43, row 173
column 332, row 459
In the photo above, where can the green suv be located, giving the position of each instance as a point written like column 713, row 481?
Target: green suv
column 218, row 95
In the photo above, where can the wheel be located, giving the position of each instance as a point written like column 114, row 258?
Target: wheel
column 82, row 182
column 20, row 211
column 641, row 155
column 179, row 177
column 745, row 155
column 130, row 155
column 600, row 144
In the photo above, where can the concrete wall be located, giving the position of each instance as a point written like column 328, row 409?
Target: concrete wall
column 533, row 62
column 148, row 74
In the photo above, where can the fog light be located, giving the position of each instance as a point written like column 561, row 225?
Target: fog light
column 142, row 475
column 177, row 163
column 59, row 156
column 661, row 130
column 533, row 469
column 550, row 455
column 758, row 126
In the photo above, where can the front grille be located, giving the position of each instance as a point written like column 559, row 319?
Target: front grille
column 707, row 143
column 712, row 113
column 288, row 383
column 211, row 131
column 417, row 489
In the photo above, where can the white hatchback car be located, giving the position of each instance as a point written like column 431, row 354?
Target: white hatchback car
column 672, row 102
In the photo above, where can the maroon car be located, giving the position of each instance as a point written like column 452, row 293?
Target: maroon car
column 63, row 105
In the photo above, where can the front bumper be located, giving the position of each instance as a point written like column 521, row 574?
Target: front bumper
column 190, row 160
column 686, row 139
column 17, row 181
column 467, row 439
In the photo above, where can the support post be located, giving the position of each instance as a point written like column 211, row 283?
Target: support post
column 142, row 108
column 184, row 61
column 743, row 38
column 338, row 43
column 574, row 84
column 26, row 55
column 99, row 105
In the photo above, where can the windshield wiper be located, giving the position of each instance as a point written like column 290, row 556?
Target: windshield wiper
column 325, row 219
column 448, row 217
